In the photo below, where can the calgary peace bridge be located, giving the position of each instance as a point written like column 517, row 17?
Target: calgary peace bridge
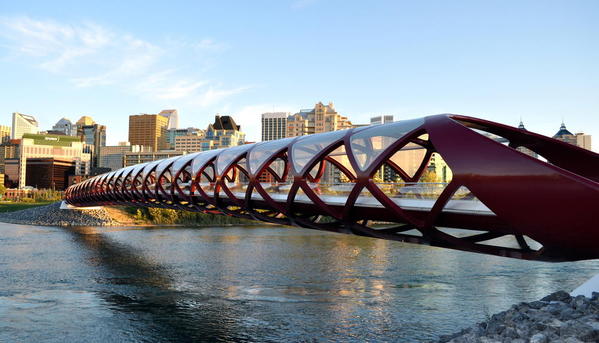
column 512, row 192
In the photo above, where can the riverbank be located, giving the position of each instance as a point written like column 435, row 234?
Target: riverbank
column 51, row 215
column 555, row 318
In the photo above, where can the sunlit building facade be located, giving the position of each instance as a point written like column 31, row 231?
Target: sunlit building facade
column 148, row 130
column 322, row 118
column 59, row 147
column 21, row 124
column 112, row 157
column 274, row 125
column 579, row 139
column 173, row 118
column 65, row 126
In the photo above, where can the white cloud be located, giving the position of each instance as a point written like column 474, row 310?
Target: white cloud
column 213, row 95
column 89, row 55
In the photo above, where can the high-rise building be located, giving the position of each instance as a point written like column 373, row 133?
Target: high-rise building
column 381, row 120
column 94, row 139
column 579, row 139
column 5, row 133
column 322, row 118
column 21, row 124
column 172, row 134
column 274, row 125
column 112, row 157
column 173, row 118
column 148, row 130
column 65, row 126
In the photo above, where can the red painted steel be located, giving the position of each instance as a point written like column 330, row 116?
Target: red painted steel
column 548, row 208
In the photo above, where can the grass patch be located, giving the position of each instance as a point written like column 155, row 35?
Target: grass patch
column 17, row 206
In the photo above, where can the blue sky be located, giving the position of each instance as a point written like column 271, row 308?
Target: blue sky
column 499, row 60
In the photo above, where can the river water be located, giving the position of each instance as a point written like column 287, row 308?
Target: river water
column 251, row 284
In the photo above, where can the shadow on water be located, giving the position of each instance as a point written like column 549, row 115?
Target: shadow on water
column 140, row 288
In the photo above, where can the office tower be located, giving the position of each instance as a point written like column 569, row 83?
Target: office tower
column 274, row 125
column 94, row 138
column 173, row 118
column 65, row 126
column 21, row 124
column 149, row 130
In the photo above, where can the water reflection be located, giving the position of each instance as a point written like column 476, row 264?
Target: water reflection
column 141, row 286
column 251, row 284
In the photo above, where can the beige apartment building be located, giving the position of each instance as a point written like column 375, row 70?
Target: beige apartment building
column 149, row 130
column 579, row 139
column 322, row 118
column 190, row 142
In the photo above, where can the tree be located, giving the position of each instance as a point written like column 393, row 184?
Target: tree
column 429, row 176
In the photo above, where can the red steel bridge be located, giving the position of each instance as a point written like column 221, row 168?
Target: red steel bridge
column 540, row 204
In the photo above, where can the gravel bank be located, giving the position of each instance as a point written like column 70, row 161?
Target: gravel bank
column 556, row 318
column 52, row 215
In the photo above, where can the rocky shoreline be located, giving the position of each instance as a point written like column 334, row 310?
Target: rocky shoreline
column 555, row 318
column 52, row 215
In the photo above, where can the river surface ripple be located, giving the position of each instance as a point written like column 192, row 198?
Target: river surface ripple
column 251, row 284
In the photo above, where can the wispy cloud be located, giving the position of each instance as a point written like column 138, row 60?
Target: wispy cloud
column 90, row 55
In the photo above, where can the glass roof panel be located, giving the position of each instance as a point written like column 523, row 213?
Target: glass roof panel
column 184, row 159
column 264, row 151
column 369, row 143
column 202, row 158
column 229, row 155
column 137, row 168
column 165, row 164
column 128, row 170
column 303, row 150
column 149, row 167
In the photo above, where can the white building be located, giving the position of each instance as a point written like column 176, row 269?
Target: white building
column 381, row 120
column 21, row 124
column 173, row 118
column 274, row 125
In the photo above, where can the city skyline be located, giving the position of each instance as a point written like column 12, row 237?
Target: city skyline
column 533, row 61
